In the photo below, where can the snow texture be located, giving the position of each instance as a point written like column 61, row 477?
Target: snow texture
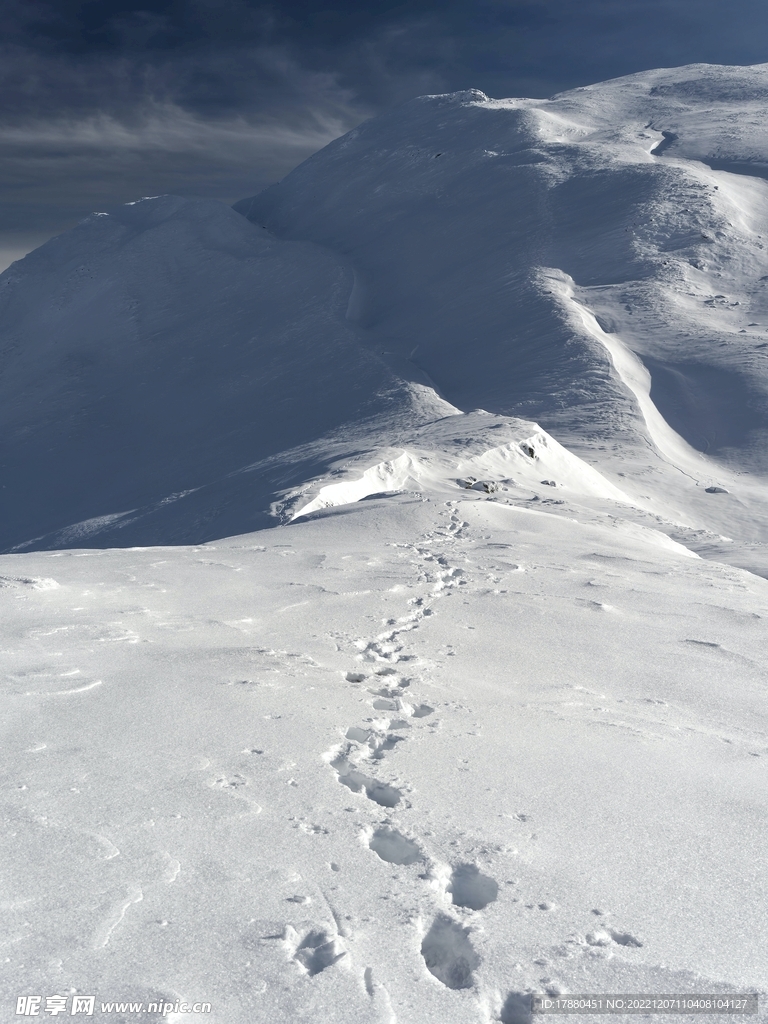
column 384, row 601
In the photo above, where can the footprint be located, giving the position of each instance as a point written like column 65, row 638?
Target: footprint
column 598, row 938
column 391, row 691
column 422, row 711
column 380, row 745
column 311, row 829
column 448, row 953
column 358, row 735
column 374, row 651
column 605, row 936
column 380, row 792
column 37, row 583
column 393, row 847
column 230, row 782
column 469, row 887
column 377, row 743
column 385, row 704
column 320, row 948
column 624, row 938
column 516, row 1008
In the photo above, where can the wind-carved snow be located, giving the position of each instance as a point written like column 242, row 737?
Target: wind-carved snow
column 635, row 377
column 615, row 186
column 529, row 459
column 350, row 322
column 115, row 918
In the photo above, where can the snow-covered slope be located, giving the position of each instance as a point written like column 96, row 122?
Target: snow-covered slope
column 465, row 717
column 567, row 261
column 409, row 761
column 160, row 347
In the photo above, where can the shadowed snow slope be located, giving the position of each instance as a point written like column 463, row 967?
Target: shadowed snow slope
column 157, row 348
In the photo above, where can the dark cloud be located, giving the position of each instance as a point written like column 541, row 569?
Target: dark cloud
column 106, row 100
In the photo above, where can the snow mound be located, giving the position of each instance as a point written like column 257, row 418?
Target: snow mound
column 582, row 262
column 528, row 459
column 418, row 758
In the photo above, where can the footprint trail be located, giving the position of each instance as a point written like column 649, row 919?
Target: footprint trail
column 446, row 948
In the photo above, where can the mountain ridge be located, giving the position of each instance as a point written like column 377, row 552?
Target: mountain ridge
column 494, row 254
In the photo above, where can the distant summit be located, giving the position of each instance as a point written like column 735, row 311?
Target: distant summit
column 457, row 212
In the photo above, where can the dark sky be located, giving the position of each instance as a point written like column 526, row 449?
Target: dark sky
column 107, row 100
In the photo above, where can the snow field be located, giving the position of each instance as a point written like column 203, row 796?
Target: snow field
column 475, row 752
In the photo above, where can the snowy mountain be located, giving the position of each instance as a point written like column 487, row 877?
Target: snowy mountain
column 384, row 600
column 155, row 350
column 170, row 373
column 584, row 248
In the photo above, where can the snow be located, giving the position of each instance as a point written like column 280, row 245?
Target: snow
column 384, row 600
column 154, row 356
column 532, row 719
column 617, row 295
column 429, row 463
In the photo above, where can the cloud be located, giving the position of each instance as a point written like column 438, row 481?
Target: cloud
column 61, row 162
column 54, row 172
column 113, row 99
column 169, row 129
